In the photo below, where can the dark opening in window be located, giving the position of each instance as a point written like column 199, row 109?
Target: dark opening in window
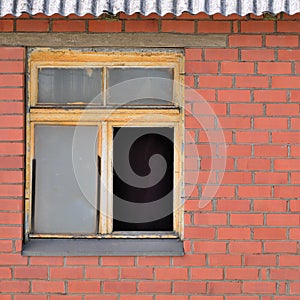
column 143, row 160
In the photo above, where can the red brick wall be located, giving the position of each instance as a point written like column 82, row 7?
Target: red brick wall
column 244, row 245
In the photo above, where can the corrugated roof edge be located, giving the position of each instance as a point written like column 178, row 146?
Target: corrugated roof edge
column 160, row 7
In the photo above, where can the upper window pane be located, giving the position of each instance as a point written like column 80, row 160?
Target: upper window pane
column 140, row 86
column 69, row 85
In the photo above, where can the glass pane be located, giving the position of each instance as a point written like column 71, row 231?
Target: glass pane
column 140, row 86
column 66, row 179
column 70, row 85
column 143, row 179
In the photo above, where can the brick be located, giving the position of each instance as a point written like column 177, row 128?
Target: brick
column 253, row 164
column 224, row 287
column 259, row 287
column 189, row 260
column 10, row 231
column 11, row 93
column 270, row 205
column 271, row 123
column 260, row 260
column 105, row 26
column 295, row 233
column 9, row 176
column 153, row 261
column 66, row 297
column 270, row 233
column 221, row 54
column 32, row 25
column 210, row 219
column 87, row 287
column 136, row 297
column 257, row 26
column 295, row 123
column 33, row 297
column 271, row 178
column 177, row 26
column 137, row 273
column 5, row 273
column 252, row 137
column 13, row 107
column 15, row 190
column 12, row 53
column 31, row 272
column 171, row 297
column 289, row 191
column 269, row 150
column 118, row 261
column 207, row 273
column 233, row 233
column 193, row 54
column 283, row 219
column 289, row 260
column 287, row 164
column 224, row 260
column 6, row 246
column 154, row 287
column 285, row 82
column 270, row 96
column 171, row 274
column 280, row 247
column 288, row 26
column 285, row 274
column 141, row 26
column 6, row 25
column 16, row 286
column 12, row 148
column 48, row 287
column 241, row 274
column 68, row 26
column 286, row 137
column 189, row 287
column 235, row 122
column 245, row 40
column 10, row 218
column 206, row 297
column 77, row 261
column 100, row 297
column 289, row 54
column 237, row 67
column 246, row 109
column 282, row 41
column 101, row 273
column 214, row 27
column 11, row 67
column 48, row 261
column 66, row 273
column 11, row 80
column 257, row 54
column 295, row 205
column 210, row 247
column 234, row 95
column 254, row 191
column 119, row 287
column 233, row 205
column 198, row 67
column 274, row 67
column 12, row 121
column 246, row 219
column 195, row 233
column 252, row 82
column 215, row 81
column 245, row 247
column 238, row 150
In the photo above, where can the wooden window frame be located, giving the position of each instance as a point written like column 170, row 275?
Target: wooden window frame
column 106, row 118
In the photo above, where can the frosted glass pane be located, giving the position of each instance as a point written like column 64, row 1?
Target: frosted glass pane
column 140, row 86
column 66, row 179
column 70, row 85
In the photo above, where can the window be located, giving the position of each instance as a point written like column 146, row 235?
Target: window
column 104, row 140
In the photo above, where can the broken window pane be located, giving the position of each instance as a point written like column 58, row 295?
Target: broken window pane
column 70, row 85
column 66, row 179
column 143, row 179
column 140, row 86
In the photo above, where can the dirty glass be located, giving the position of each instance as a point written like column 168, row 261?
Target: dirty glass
column 69, row 85
column 140, row 86
column 65, row 198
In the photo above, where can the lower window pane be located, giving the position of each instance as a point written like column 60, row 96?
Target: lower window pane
column 66, row 179
column 143, row 179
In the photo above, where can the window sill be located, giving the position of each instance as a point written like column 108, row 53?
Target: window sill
column 103, row 247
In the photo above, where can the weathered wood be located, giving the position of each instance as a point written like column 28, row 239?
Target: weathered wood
column 145, row 40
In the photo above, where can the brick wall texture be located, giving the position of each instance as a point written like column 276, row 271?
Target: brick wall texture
column 244, row 245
